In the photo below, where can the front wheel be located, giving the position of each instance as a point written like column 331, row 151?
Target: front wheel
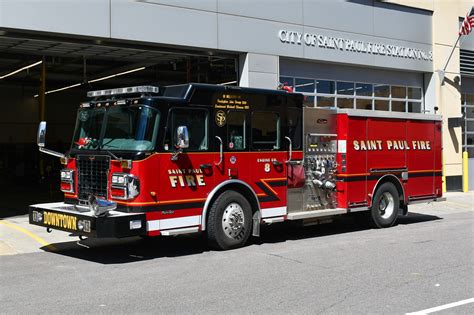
column 230, row 221
column 385, row 205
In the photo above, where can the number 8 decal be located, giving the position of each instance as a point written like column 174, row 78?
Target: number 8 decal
column 267, row 167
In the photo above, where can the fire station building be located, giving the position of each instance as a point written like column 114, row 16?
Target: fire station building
column 363, row 54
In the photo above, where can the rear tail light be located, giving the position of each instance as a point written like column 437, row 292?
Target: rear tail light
column 67, row 180
column 124, row 186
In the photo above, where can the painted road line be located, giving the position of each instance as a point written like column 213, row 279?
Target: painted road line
column 442, row 307
column 30, row 234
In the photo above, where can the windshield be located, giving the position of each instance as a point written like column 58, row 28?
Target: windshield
column 133, row 128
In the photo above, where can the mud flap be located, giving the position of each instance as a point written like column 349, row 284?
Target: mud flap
column 257, row 217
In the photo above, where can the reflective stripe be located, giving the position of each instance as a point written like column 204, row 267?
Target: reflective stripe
column 164, row 224
column 273, row 212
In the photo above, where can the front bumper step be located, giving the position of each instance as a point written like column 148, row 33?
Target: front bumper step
column 66, row 217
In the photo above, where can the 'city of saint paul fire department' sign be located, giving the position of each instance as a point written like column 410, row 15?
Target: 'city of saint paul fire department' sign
column 351, row 45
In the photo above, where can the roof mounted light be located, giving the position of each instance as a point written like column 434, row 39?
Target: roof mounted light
column 125, row 90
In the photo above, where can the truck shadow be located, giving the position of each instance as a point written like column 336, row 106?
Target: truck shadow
column 120, row 251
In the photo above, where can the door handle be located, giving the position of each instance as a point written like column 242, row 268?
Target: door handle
column 221, row 153
column 290, row 149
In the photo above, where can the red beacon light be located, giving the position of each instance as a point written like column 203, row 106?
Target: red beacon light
column 285, row 87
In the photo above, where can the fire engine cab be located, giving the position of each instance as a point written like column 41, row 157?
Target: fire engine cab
column 149, row 161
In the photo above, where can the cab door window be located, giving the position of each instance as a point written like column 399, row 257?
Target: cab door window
column 294, row 127
column 265, row 131
column 196, row 120
column 236, row 130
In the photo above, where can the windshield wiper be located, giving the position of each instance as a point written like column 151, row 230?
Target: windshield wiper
column 111, row 154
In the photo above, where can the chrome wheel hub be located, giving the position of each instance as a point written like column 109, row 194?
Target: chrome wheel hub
column 386, row 205
column 233, row 220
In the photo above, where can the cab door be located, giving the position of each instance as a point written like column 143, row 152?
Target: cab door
column 268, row 160
column 189, row 170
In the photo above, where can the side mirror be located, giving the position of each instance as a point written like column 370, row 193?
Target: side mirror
column 183, row 137
column 41, row 138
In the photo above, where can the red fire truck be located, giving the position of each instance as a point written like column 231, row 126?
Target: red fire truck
column 223, row 160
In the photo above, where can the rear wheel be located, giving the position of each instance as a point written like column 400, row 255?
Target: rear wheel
column 385, row 205
column 230, row 221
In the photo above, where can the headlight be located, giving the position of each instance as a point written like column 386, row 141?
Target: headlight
column 67, row 180
column 124, row 186
column 66, row 175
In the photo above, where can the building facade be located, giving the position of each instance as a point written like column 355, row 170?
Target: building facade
column 369, row 55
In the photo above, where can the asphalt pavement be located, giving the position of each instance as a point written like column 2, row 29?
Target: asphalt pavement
column 424, row 262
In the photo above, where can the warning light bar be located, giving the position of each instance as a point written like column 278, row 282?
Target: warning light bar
column 125, row 90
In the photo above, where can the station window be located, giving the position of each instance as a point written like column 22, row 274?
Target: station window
column 345, row 102
column 325, row 101
column 236, row 126
column 381, row 90
column 414, row 93
column 325, row 87
column 399, row 92
column 382, row 105
column 398, row 106
column 364, row 89
column 414, row 107
column 265, row 131
column 363, row 103
column 359, row 95
column 345, row 88
column 308, row 101
column 467, row 103
column 304, row 85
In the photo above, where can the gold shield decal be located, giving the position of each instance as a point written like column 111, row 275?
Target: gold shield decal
column 220, row 118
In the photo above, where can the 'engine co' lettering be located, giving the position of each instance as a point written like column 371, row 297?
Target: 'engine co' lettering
column 373, row 145
column 60, row 220
column 186, row 178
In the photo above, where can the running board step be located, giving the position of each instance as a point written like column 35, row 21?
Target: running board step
column 314, row 213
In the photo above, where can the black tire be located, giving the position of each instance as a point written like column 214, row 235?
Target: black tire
column 385, row 206
column 225, row 230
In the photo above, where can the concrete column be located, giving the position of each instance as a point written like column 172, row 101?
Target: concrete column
column 259, row 71
column 448, row 96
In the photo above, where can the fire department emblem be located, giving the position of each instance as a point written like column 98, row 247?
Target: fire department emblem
column 220, row 118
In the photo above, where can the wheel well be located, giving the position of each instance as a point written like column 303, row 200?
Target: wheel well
column 396, row 182
column 240, row 188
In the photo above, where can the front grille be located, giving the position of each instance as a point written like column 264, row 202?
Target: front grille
column 92, row 175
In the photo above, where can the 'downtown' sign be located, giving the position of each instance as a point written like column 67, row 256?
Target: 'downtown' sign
column 350, row 45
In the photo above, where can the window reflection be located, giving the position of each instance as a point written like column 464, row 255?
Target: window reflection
column 398, row 106
column 325, row 101
column 345, row 88
column 345, row 102
column 381, row 105
column 399, row 92
column 363, row 89
column 304, row 85
column 363, row 104
column 325, row 87
column 382, row 90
